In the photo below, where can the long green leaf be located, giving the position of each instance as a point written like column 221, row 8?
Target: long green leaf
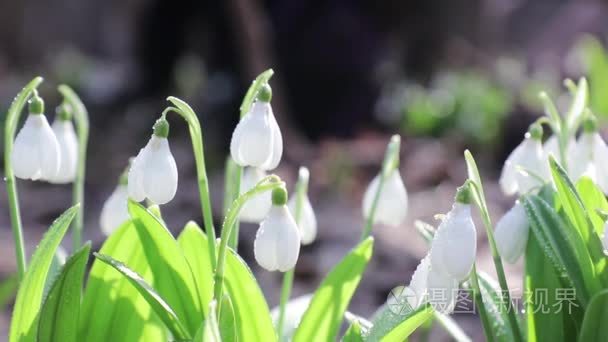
column 251, row 312
column 593, row 199
column 24, row 324
column 63, row 301
column 594, row 327
column 227, row 322
column 158, row 304
column 322, row 320
column 171, row 273
column 389, row 326
column 492, row 298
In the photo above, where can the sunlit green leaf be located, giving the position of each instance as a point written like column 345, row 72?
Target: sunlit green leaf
column 24, row 323
column 227, row 323
column 495, row 307
column 322, row 319
column 594, row 327
column 593, row 199
column 389, row 326
column 353, row 334
column 61, row 309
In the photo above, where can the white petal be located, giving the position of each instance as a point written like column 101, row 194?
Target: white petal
column 159, row 172
column 277, row 144
column 68, row 145
column 255, row 209
column 136, row 177
column 600, row 154
column 288, row 242
column 508, row 175
column 48, row 151
column 24, row 156
column 582, row 156
column 251, row 143
column 277, row 242
column 418, row 284
column 459, row 242
column 442, row 291
column 392, row 203
column 511, row 233
column 307, row 222
column 551, row 147
column 115, row 211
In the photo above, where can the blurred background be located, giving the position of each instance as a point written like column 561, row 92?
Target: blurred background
column 446, row 75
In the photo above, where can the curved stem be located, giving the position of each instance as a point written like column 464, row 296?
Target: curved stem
column 81, row 117
column 301, row 190
column 196, row 135
column 266, row 184
column 10, row 128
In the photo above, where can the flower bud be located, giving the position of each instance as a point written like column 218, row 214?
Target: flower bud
column 257, row 140
column 153, row 173
column 391, row 208
column 454, row 246
column 511, row 233
column 307, row 222
column 257, row 207
column 590, row 158
column 525, row 168
column 68, row 145
column 277, row 242
column 115, row 210
column 36, row 153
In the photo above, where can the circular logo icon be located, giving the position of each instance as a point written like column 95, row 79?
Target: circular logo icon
column 399, row 300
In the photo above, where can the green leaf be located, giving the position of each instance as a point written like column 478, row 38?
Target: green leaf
column 158, row 304
column 593, row 198
column 389, row 326
column 250, row 308
column 8, row 289
column 171, row 273
column 253, row 90
column 495, row 307
column 211, row 330
column 575, row 210
column 112, row 309
column 227, row 323
column 63, row 300
column 322, row 319
column 24, row 324
column 353, row 334
column 452, row 327
column 579, row 103
column 563, row 246
column 594, row 327
column 473, row 173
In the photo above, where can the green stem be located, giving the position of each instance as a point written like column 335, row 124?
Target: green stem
column 267, row 184
column 483, row 313
column 231, row 192
column 81, row 117
column 10, row 128
column 196, row 135
column 301, row 190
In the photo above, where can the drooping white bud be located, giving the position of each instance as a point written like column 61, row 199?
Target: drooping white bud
column 392, row 204
column 115, row 210
column 442, row 291
column 525, row 168
column 68, row 145
column 257, row 140
column 256, row 208
column 511, row 233
column 454, row 246
column 153, row 173
column 36, row 153
column 277, row 242
column 590, row 159
column 307, row 222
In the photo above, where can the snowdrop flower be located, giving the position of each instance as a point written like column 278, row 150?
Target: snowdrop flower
column 36, row 154
column 257, row 140
column 307, row 221
column 115, row 210
column 418, row 284
column 511, row 233
column 455, row 243
column 526, row 166
column 255, row 209
column 591, row 156
column 391, row 208
column 68, row 145
column 153, row 173
column 277, row 242
column 442, row 291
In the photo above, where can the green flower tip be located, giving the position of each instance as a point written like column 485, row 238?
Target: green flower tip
column 265, row 93
column 279, row 196
column 590, row 124
column 64, row 112
column 464, row 194
column 536, row 131
column 161, row 127
column 36, row 105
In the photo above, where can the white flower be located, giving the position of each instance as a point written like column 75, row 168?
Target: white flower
column 68, row 145
column 455, row 243
column 115, row 210
column 551, row 148
column 153, row 174
column 442, row 291
column 392, row 203
column 511, row 233
column 36, row 153
column 307, row 222
column 257, row 140
column 590, row 159
column 256, row 208
column 277, row 242
column 527, row 157
column 418, row 283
